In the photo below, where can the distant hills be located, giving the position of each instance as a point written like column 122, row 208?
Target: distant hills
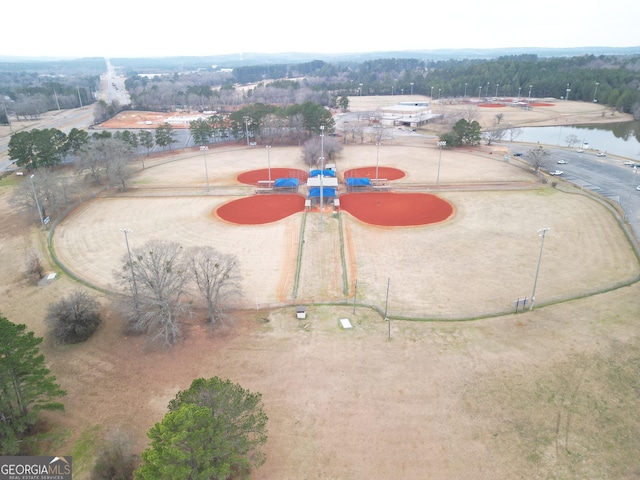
column 245, row 59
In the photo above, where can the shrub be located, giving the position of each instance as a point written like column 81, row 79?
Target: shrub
column 74, row 318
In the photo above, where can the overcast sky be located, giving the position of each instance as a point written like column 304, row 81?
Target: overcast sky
column 132, row 28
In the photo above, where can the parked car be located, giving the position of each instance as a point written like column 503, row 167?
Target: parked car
column 601, row 154
column 580, row 150
column 638, row 187
column 562, row 162
column 629, row 162
column 556, row 172
column 518, row 154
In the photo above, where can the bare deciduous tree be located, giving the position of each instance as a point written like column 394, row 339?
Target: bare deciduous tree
column 216, row 276
column 314, row 148
column 537, row 157
column 74, row 318
column 160, row 272
column 33, row 264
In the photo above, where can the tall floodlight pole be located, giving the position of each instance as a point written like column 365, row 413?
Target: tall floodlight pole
column 479, row 92
column 126, row 231
column 568, row 90
column 377, row 158
column 441, row 144
column 246, row 128
column 595, row 92
column 322, row 173
column 204, row 149
column 386, row 306
column 432, row 94
column 519, row 90
column 411, row 88
column 269, row 163
column 497, row 85
column 542, row 233
column 465, row 90
column 530, row 87
column 35, row 195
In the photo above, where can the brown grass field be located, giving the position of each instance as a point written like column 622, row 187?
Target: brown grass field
column 437, row 392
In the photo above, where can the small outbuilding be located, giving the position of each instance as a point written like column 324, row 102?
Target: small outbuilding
column 301, row 312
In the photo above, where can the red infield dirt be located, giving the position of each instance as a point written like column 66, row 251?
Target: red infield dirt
column 541, row 104
column 370, row 172
column 259, row 209
column 491, row 105
column 396, row 209
column 254, row 176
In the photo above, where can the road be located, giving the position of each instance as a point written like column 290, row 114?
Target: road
column 607, row 176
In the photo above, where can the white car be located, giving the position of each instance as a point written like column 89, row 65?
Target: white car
column 629, row 162
column 556, row 173
column 601, row 154
column 638, row 187
column 562, row 162
column 580, row 150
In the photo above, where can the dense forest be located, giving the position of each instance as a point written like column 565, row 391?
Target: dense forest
column 612, row 80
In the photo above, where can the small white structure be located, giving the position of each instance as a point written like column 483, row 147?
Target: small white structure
column 301, row 313
column 52, row 276
column 345, row 323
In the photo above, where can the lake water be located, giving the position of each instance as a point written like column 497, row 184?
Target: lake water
column 621, row 139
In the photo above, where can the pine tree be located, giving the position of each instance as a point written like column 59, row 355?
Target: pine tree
column 26, row 385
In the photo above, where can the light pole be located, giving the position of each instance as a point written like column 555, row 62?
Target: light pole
column 568, row 90
column 542, row 233
column 441, row 144
column 519, row 89
column 411, row 88
column 635, row 170
column 322, row 173
column 246, row 128
column 35, row 195
column 269, row 163
column 465, row 90
column 497, row 85
column 487, row 90
column 377, row 158
column 595, row 99
column 126, row 231
column 205, row 149
column 439, row 92
column 479, row 92
column 530, row 87
column 360, row 91
column 432, row 94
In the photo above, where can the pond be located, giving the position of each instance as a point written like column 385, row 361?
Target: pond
column 621, row 139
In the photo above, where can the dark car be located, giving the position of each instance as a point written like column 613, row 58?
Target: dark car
column 518, row 154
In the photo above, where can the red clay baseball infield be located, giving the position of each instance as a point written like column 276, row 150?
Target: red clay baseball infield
column 370, row 172
column 377, row 208
column 254, row 176
column 396, row 209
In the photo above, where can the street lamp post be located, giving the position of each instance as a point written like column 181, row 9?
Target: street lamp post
column 411, row 88
column 542, row 233
column 497, row 85
column 126, row 231
column 519, row 89
column 204, row 149
column 441, row 144
column 35, row 195
column 269, row 163
column 635, row 170
column 568, row 90
column 595, row 92
column 530, row 87
column 479, row 92
column 432, row 94
column 465, row 90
